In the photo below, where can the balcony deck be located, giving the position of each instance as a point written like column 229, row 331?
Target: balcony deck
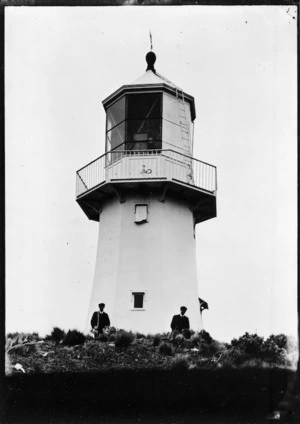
column 164, row 170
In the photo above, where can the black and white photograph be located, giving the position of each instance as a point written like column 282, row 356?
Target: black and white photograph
column 151, row 213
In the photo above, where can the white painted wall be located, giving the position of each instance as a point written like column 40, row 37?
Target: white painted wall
column 157, row 257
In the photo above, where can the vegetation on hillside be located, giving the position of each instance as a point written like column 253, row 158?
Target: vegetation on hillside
column 118, row 349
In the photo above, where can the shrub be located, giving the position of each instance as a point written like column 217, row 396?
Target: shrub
column 112, row 337
column 186, row 333
column 175, row 333
column 208, row 349
column 180, row 362
column 188, row 344
column 139, row 335
column 178, row 340
column 251, row 344
column 205, row 337
column 21, row 343
column 102, row 337
column 271, row 352
column 123, row 339
column 73, row 338
column 156, row 339
column 57, row 335
column 233, row 357
column 23, row 337
column 166, row 349
column 280, row 340
column 195, row 340
column 165, row 336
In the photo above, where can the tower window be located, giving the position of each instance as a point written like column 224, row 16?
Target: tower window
column 141, row 212
column 138, row 300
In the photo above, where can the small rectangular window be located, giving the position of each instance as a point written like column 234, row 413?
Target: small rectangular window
column 138, row 300
column 141, row 212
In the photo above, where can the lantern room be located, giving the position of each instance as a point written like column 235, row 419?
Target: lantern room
column 149, row 114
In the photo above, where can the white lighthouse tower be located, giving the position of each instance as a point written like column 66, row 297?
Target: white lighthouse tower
column 147, row 192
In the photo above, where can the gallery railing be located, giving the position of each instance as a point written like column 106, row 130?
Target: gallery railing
column 168, row 164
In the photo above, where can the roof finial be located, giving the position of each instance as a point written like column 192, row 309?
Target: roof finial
column 150, row 59
column 151, row 45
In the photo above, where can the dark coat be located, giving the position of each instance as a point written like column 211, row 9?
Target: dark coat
column 180, row 322
column 103, row 320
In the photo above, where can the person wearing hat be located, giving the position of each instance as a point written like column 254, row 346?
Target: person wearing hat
column 180, row 322
column 99, row 320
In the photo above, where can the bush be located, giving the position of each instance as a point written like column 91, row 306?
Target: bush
column 208, row 349
column 186, row 333
column 123, row 339
column 175, row 333
column 179, row 340
column 156, row 339
column 280, row 340
column 102, row 337
column 21, row 343
column 166, row 349
column 195, row 340
column 73, row 338
column 180, row 362
column 205, row 337
column 233, row 357
column 112, row 337
column 56, row 335
column 188, row 344
column 271, row 352
column 23, row 337
column 251, row 344
column 139, row 335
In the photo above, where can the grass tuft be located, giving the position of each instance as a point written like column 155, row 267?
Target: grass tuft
column 181, row 362
column 166, row 349
column 123, row 339
column 156, row 339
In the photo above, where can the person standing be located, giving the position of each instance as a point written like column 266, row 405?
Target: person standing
column 180, row 322
column 100, row 319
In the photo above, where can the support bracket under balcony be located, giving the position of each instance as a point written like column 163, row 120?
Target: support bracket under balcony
column 89, row 204
column 164, row 193
column 119, row 193
column 197, row 205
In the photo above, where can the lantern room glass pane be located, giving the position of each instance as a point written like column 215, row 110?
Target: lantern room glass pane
column 116, row 113
column 144, row 121
column 143, row 134
column 145, row 105
column 115, row 137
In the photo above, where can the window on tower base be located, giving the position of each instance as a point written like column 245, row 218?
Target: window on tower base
column 138, row 300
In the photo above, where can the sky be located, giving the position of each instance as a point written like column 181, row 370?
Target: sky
column 239, row 63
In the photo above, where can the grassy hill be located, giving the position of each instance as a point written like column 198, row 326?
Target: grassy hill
column 133, row 377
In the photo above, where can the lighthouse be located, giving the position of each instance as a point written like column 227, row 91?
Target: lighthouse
column 147, row 193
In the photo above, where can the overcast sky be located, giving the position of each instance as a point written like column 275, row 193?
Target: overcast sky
column 240, row 65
